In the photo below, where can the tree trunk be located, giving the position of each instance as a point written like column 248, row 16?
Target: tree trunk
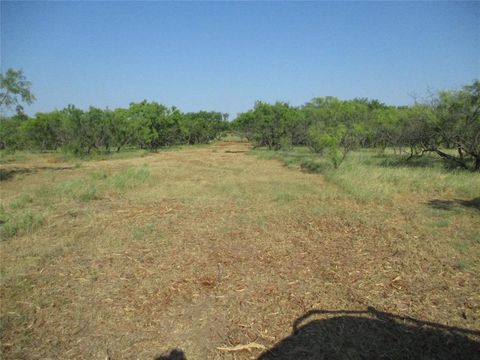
column 458, row 161
column 477, row 163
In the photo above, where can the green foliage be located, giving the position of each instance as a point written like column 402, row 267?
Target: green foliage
column 14, row 88
column 141, row 232
column 202, row 127
column 21, row 201
column 458, row 124
column 146, row 125
column 449, row 127
column 88, row 194
column 268, row 125
column 365, row 176
column 18, row 223
column 76, row 189
column 130, row 177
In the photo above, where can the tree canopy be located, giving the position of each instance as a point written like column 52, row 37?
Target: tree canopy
column 14, row 89
column 448, row 126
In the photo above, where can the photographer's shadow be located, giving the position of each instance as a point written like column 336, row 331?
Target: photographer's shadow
column 371, row 334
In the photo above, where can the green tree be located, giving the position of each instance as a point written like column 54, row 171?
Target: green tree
column 14, row 89
column 458, row 124
column 12, row 136
column 269, row 125
column 45, row 131
column 155, row 125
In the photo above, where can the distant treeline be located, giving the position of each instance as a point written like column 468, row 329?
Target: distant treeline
column 447, row 125
column 147, row 125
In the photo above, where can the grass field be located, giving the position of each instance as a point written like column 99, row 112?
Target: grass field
column 205, row 248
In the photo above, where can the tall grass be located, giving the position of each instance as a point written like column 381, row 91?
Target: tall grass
column 12, row 224
column 28, row 211
column 368, row 175
column 130, row 177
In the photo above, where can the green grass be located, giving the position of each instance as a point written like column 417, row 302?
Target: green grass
column 94, row 185
column 285, row 197
column 130, row 178
column 442, row 223
column 7, row 156
column 464, row 264
column 21, row 201
column 99, row 175
column 142, row 232
column 75, row 189
column 66, row 156
column 367, row 175
column 12, row 224
column 28, row 211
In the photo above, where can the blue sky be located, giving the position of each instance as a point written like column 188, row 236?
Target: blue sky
column 224, row 56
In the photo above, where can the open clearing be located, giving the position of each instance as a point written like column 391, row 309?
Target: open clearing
column 211, row 247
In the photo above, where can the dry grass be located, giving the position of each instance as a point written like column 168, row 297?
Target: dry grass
column 209, row 247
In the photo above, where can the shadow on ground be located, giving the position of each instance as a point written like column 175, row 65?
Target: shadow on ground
column 450, row 204
column 173, row 355
column 371, row 334
column 6, row 174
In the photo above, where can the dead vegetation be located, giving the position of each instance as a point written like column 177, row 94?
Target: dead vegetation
column 215, row 253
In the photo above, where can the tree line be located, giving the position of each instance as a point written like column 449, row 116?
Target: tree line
column 447, row 125
column 147, row 125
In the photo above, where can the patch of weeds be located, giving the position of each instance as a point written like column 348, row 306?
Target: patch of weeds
column 397, row 161
column 441, row 223
column 130, row 177
column 464, row 264
column 88, row 194
column 99, row 175
column 12, row 320
column 285, row 198
column 78, row 190
column 21, row 201
column 8, row 155
column 462, row 245
column 470, row 239
column 45, row 193
column 476, row 238
column 311, row 166
column 433, row 211
column 231, row 190
column 77, row 164
column 19, row 223
column 73, row 213
column 141, row 232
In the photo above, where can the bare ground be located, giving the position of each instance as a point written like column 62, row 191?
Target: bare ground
column 224, row 249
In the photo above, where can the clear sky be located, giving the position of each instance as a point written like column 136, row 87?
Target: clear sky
column 224, row 56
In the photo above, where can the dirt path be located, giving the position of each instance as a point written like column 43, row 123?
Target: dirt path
column 218, row 249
